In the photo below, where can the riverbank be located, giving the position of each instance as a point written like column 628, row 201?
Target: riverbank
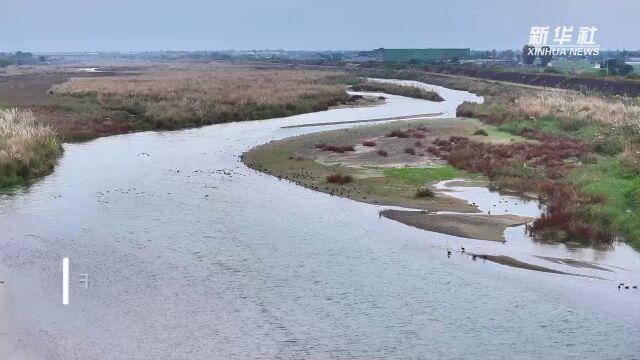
column 395, row 89
column 28, row 149
column 389, row 164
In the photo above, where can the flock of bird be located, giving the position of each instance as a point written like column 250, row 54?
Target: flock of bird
column 464, row 251
column 626, row 286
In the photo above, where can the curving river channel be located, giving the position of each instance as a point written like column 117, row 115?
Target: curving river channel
column 191, row 255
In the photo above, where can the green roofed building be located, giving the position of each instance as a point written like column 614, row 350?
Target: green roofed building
column 422, row 55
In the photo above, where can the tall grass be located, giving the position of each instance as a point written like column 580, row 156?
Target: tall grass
column 576, row 106
column 181, row 97
column 27, row 149
column 571, row 110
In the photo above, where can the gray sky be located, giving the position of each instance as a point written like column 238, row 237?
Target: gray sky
column 133, row 25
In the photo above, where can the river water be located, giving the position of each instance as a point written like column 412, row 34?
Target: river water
column 191, row 255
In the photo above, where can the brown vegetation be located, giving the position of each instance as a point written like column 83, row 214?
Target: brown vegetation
column 382, row 152
column 339, row 179
column 335, row 148
column 177, row 97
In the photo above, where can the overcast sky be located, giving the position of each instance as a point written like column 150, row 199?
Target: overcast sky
column 135, row 25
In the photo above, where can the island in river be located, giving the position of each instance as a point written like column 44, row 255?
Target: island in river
column 390, row 164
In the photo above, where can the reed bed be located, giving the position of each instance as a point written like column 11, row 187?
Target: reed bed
column 577, row 106
column 27, row 149
column 192, row 96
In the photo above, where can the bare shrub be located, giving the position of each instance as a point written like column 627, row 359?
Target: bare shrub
column 339, row 179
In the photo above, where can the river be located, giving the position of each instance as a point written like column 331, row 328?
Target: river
column 191, row 255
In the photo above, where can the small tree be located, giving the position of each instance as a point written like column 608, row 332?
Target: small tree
column 618, row 67
column 528, row 54
column 545, row 56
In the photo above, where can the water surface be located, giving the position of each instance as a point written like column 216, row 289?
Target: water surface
column 191, row 255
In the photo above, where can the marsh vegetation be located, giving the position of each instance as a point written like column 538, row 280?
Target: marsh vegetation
column 27, row 149
column 178, row 97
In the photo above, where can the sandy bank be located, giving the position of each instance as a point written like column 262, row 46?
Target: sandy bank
column 472, row 226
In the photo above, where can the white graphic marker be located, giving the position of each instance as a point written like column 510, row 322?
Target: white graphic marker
column 65, row 281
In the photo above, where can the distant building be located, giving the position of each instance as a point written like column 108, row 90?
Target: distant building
column 421, row 55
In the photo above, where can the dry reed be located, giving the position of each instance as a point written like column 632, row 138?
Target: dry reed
column 27, row 149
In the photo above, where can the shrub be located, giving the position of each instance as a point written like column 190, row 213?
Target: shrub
column 410, row 151
column 481, row 132
column 339, row 179
column 382, row 152
column 424, row 191
column 610, row 145
column 403, row 134
column 335, row 148
column 369, row 143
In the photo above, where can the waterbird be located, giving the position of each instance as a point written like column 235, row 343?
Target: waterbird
column 473, row 257
column 635, row 286
column 626, row 287
column 462, row 249
column 448, row 253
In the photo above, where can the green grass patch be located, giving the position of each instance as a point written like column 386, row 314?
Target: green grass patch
column 495, row 134
column 619, row 185
column 562, row 128
column 419, row 176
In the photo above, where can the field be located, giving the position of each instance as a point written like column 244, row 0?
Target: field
column 124, row 98
column 531, row 78
column 187, row 96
